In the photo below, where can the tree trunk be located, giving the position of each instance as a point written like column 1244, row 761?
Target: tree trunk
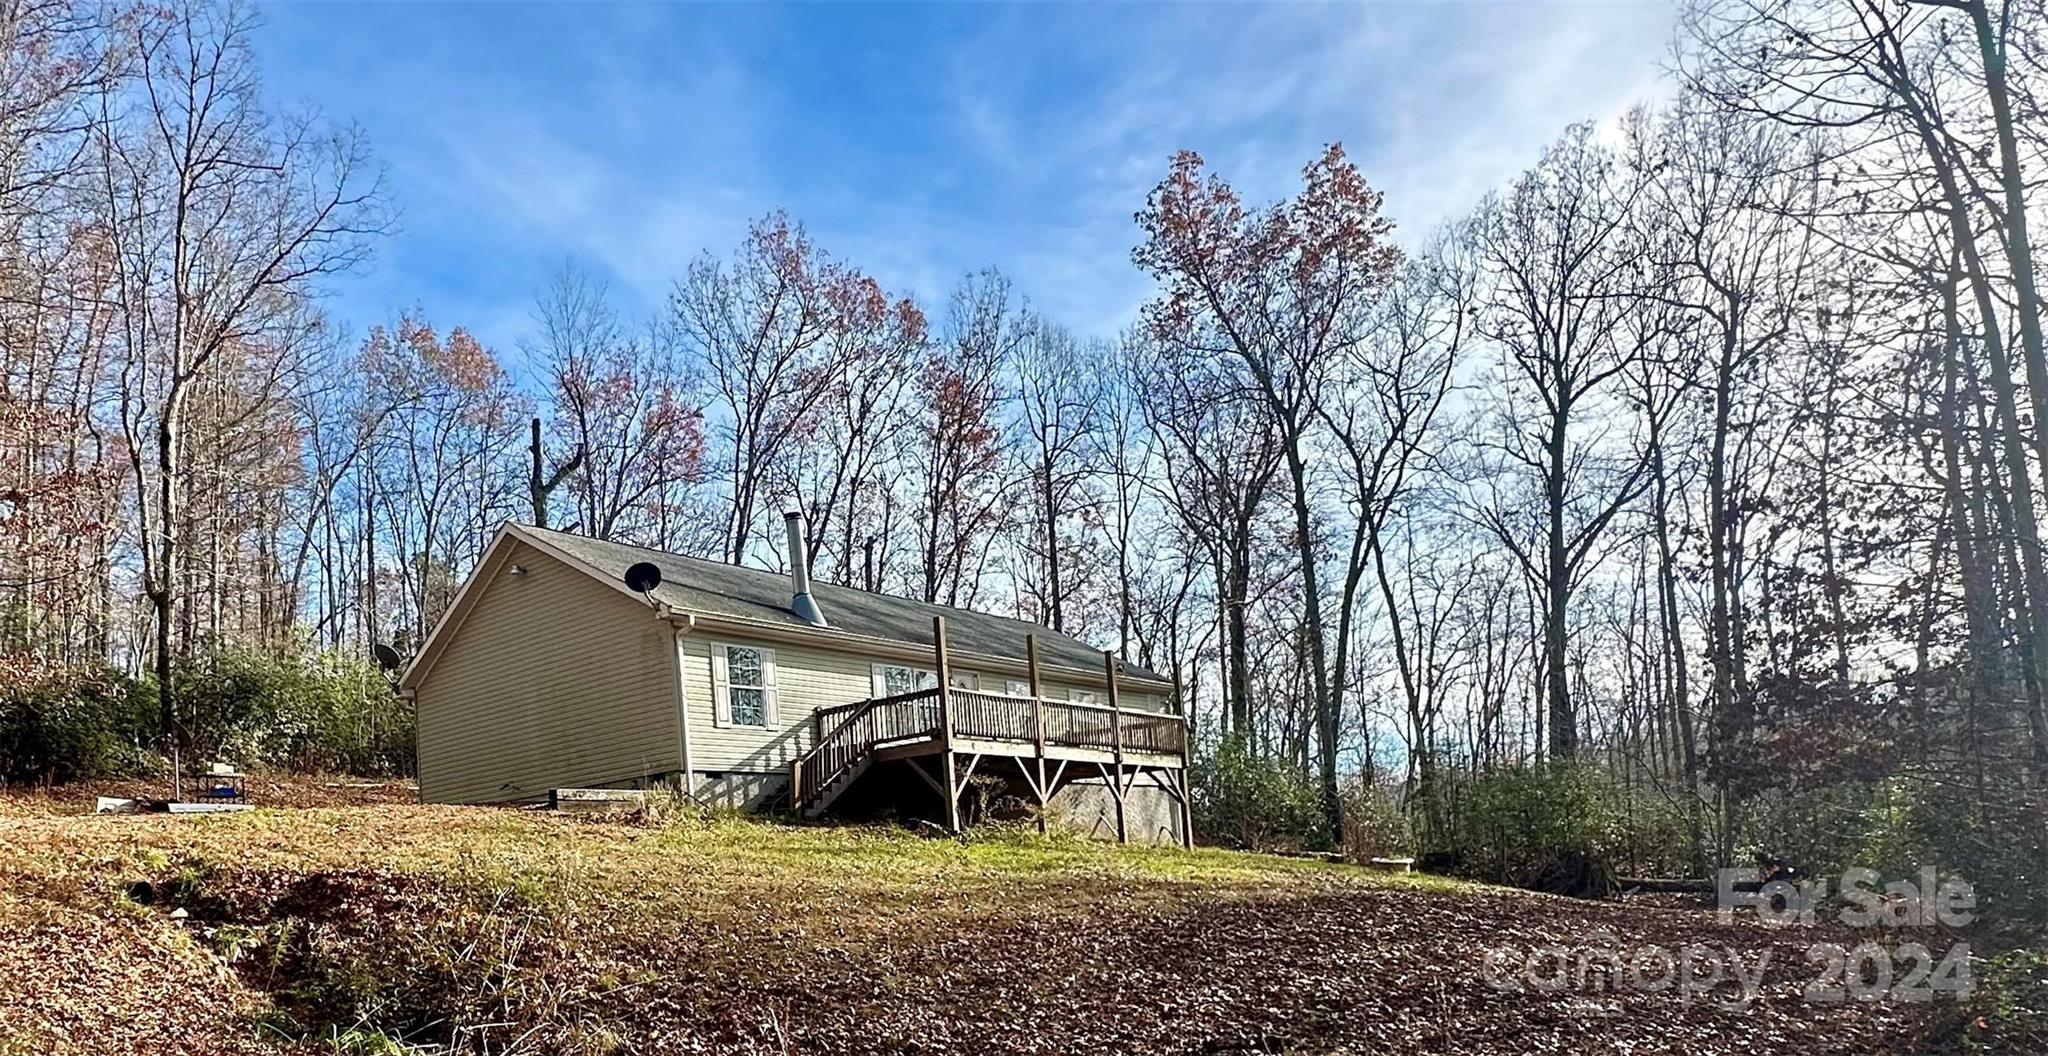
column 169, row 451
column 1239, row 662
column 1312, row 620
column 1679, row 691
column 1966, row 511
column 2027, row 298
column 1557, row 589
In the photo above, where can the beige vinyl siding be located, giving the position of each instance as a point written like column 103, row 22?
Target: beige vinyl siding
column 1127, row 698
column 552, row 680
column 806, row 679
column 1062, row 689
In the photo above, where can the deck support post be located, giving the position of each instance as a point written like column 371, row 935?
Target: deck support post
column 1037, row 726
column 1187, row 746
column 949, row 770
column 1116, row 741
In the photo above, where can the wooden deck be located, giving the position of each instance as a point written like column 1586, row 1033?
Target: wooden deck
column 1048, row 742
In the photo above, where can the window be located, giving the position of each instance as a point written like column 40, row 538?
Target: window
column 964, row 680
column 1016, row 687
column 1084, row 696
column 743, row 685
column 893, row 680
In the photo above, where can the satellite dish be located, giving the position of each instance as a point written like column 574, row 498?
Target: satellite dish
column 643, row 577
column 387, row 657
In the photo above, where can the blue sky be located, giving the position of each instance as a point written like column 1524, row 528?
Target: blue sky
column 916, row 141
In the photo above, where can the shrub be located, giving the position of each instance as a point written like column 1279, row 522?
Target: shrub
column 2008, row 1010
column 1374, row 824
column 63, row 724
column 1656, row 835
column 1255, row 802
column 1553, row 828
column 1994, row 838
column 335, row 713
column 302, row 711
column 1824, row 829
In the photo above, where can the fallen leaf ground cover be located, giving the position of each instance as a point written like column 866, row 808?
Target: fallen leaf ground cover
column 373, row 928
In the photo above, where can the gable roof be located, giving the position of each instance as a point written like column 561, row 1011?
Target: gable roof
column 759, row 597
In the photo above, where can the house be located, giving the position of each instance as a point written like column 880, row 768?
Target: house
column 763, row 690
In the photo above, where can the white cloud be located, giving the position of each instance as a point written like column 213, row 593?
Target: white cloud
column 1437, row 103
column 1021, row 138
column 1470, row 123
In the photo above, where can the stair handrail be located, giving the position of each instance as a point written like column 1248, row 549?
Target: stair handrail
column 844, row 742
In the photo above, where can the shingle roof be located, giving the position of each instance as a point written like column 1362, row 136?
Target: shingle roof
column 711, row 588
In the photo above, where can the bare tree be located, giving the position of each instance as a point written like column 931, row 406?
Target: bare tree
column 219, row 216
column 836, row 471
column 1059, row 398
column 762, row 328
column 1388, row 394
column 1561, row 283
column 1125, row 459
column 624, row 403
column 1281, row 293
column 445, row 464
column 958, row 449
column 1218, row 456
column 1891, row 73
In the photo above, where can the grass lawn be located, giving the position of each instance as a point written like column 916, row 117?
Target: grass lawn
column 397, row 928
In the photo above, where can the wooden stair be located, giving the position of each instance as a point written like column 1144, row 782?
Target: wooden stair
column 817, row 803
column 845, row 741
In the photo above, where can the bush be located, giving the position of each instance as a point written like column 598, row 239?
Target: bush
column 1374, row 824
column 1656, row 834
column 1552, row 828
column 307, row 712
column 1254, row 802
column 2007, row 1012
column 1996, row 839
column 64, row 724
column 304, row 711
column 1824, row 829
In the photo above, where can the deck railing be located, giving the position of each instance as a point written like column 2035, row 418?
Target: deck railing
column 844, row 733
column 986, row 716
column 847, row 732
column 1154, row 733
column 993, row 716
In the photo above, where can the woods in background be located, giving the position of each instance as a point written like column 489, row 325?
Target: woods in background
column 1680, row 502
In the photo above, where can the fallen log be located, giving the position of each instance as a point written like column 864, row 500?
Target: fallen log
column 1666, row 885
column 1332, row 857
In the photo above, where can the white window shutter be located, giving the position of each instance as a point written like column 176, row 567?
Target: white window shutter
column 881, row 683
column 768, row 690
column 721, row 697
